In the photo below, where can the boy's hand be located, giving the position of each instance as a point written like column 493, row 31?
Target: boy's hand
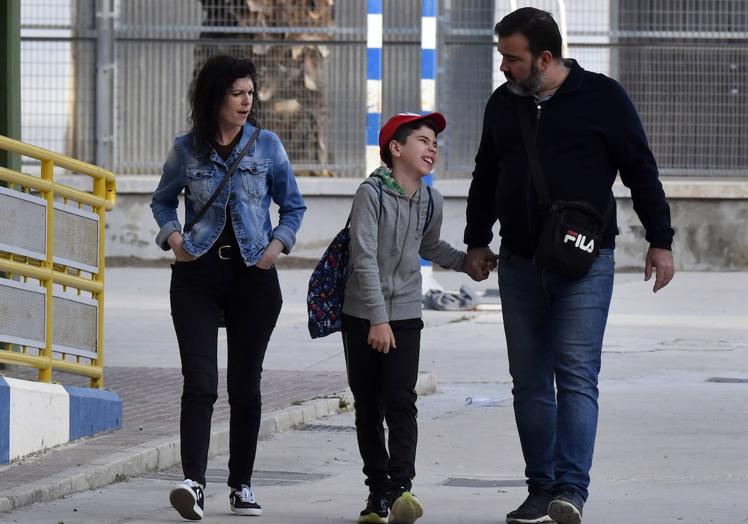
column 381, row 337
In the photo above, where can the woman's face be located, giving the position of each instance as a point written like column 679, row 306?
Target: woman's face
column 237, row 103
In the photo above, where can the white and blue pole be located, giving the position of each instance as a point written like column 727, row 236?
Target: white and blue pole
column 374, row 28
column 428, row 104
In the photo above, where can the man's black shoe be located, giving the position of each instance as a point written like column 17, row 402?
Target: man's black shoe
column 534, row 510
column 566, row 508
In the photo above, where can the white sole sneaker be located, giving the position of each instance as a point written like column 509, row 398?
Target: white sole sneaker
column 247, row 512
column 183, row 499
column 564, row 512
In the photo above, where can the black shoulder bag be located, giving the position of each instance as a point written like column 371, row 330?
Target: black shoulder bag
column 571, row 231
column 189, row 225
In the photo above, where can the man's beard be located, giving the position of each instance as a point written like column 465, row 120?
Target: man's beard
column 530, row 86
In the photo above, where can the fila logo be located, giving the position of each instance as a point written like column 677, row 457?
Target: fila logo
column 579, row 241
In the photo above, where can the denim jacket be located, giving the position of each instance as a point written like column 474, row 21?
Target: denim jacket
column 262, row 174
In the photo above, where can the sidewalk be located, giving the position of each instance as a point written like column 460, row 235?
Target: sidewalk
column 671, row 442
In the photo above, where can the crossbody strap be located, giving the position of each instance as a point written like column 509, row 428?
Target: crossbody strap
column 533, row 158
column 189, row 225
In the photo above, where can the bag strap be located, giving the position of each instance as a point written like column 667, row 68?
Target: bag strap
column 429, row 210
column 381, row 202
column 536, row 170
column 188, row 226
column 533, row 158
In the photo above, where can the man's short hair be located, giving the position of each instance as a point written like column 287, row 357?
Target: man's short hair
column 537, row 26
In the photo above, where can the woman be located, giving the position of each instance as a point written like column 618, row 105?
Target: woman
column 224, row 264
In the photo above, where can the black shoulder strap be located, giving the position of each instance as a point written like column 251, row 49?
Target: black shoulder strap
column 429, row 209
column 188, row 226
column 381, row 201
column 533, row 158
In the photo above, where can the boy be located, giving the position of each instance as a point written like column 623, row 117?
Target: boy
column 381, row 323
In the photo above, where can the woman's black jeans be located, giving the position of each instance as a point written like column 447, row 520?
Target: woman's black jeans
column 251, row 299
column 383, row 387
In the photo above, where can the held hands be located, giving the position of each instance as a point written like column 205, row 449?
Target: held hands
column 381, row 337
column 661, row 260
column 479, row 263
column 175, row 243
column 270, row 255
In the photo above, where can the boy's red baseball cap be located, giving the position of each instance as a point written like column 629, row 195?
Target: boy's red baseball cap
column 390, row 127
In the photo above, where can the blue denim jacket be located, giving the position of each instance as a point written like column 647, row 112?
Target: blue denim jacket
column 263, row 173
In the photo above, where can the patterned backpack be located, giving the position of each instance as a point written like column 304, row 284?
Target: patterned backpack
column 324, row 298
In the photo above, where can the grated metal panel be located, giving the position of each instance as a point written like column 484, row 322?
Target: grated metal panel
column 75, row 325
column 23, row 224
column 259, row 477
column 326, row 427
column 728, row 380
column 22, row 313
column 76, row 238
column 459, row 482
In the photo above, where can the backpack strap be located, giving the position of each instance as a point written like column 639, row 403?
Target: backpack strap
column 381, row 201
column 429, row 210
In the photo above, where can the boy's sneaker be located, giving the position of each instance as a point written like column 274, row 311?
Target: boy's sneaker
column 188, row 498
column 377, row 507
column 534, row 510
column 566, row 508
column 405, row 507
column 243, row 502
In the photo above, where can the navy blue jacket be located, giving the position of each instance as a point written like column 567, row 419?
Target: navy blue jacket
column 587, row 133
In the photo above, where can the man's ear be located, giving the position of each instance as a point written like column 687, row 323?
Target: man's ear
column 546, row 57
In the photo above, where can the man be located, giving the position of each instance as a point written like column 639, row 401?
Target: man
column 586, row 130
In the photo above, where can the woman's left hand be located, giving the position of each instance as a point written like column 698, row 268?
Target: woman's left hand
column 270, row 255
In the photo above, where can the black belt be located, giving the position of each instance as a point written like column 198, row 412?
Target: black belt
column 225, row 252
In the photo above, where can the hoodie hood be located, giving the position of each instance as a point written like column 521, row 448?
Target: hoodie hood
column 388, row 181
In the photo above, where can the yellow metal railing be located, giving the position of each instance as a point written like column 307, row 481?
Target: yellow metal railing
column 49, row 273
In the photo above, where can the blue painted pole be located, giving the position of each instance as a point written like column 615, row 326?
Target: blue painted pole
column 374, row 27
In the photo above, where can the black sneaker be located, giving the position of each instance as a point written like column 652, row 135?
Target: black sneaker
column 188, row 498
column 566, row 508
column 534, row 510
column 405, row 508
column 377, row 507
column 243, row 502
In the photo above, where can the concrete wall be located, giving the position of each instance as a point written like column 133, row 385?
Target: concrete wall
column 35, row 416
column 709, row 217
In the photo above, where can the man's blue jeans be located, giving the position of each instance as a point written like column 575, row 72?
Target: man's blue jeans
column 554, row 329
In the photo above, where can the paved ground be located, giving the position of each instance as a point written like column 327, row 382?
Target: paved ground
column 671, row 445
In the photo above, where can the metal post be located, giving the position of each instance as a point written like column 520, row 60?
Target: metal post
column 10, row 72
column 104, row 135
column 374, row 29
column 428, row 104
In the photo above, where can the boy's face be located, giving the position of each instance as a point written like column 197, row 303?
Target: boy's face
column 418, row 154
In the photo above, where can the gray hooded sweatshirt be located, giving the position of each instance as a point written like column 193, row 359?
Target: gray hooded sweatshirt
column 385, row 272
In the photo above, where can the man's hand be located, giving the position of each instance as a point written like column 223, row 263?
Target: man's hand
column 661, row 260
column 270, row 255
column 381, row 337
column 479, row 263
column 175, row 243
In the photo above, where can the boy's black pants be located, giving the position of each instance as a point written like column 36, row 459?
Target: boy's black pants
column 251, row 299
column 383, row 387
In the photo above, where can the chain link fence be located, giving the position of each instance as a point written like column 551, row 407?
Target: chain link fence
column 107, row 81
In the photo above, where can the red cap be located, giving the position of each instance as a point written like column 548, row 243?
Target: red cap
column 388, row 129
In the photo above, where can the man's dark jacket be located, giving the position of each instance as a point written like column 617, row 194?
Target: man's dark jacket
column 587, row 132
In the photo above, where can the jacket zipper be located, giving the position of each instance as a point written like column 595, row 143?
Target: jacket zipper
column 394, row 272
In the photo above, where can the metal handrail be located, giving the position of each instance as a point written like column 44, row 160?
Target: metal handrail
column 101, row 199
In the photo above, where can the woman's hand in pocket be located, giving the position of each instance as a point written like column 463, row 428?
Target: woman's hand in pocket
column 175, row 242
column 270, row 255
